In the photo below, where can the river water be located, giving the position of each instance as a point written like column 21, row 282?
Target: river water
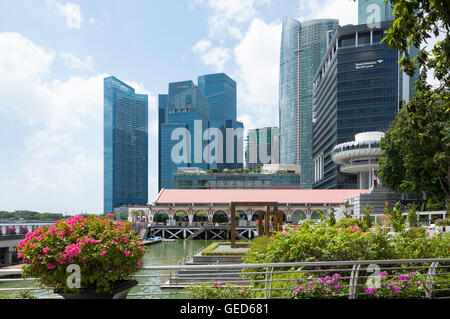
column 158, row 254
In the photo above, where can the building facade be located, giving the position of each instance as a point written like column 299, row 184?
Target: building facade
column 231, row 180
column 373, row 11
column 125, row 145
column 262, row 147
column 358, row 88
column 303, row 46
column 193, row 110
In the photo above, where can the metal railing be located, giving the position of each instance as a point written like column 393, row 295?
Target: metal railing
column 273, row 280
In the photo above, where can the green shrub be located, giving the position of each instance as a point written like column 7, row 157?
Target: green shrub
column 367, row 218
column 351, row 222
column 209, row 251
column 218, row 290
column 413, row 219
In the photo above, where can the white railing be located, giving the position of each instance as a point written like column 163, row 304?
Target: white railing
column 270, row 279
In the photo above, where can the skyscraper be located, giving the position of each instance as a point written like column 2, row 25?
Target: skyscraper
column 373, row 11
column 211, row 104
column 125, row 145
column 262, row 147
column 358, row 88
column 302, row 47
column 219, row 91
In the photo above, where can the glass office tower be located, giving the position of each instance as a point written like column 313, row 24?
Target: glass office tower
column 219, row 91
column 260, row 149
column 211, row 104
column 372, row 11
column 302, row 47
column 125, row 145
column 358, row 88
column 185, row 106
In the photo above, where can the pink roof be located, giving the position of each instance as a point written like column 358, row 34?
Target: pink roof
column 282, row 196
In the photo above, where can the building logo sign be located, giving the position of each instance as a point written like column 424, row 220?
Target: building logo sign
column 367, row 64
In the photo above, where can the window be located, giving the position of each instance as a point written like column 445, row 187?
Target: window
column 318, row 168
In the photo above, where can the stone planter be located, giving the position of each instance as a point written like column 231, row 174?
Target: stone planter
column 120, row 291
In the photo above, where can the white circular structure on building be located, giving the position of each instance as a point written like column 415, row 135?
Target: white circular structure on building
column 360, row 157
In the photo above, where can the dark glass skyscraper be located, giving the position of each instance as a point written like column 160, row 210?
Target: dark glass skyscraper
column 302, row 47
column 211, row 104
column 125, row 145
column 358, row 88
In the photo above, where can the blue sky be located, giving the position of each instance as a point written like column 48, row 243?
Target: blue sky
column 54, row 55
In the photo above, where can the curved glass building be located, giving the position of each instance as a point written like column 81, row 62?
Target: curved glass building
column 303, row 45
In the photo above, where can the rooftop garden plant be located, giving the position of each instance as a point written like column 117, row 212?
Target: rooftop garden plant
column 105, row 252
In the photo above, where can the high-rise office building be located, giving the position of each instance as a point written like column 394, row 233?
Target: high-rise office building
column 302, row 47
column 358, row 88
column 219, row 91
column 262, row 147
column 373, row 11
column 125, row 145
column 194, row 109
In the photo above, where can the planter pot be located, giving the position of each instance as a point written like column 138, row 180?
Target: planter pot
column 120, row 291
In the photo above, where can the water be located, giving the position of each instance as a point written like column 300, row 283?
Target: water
column 158, row 254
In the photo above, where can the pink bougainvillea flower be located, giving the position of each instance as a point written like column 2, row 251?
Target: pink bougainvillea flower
column 126, row 252
column 50, row 266
column 104, row 252
column 45, row 250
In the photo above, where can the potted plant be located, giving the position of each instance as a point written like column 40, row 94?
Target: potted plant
column 102, row 253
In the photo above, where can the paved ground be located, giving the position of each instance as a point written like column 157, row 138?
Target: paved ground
column 228, row 248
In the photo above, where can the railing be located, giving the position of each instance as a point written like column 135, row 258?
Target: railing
column 274, row 280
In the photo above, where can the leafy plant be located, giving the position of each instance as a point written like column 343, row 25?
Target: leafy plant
column 218, row 290
column 412, row 285
column 443, row 222
column 105, row 251
column 323, row 288
column 351, row 222
column 367, row 218
column 332, row 216
column 413, row 218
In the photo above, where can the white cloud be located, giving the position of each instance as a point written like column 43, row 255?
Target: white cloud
column 258, row 59
column 61, row 164
column 216, row 58
column 75, row 63
column 201, row 46
column 344, row 10
column 70, row 11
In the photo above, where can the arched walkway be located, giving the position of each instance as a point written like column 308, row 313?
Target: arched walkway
column 220, row 217
column 200, row 216
column 316, row 214
column 160, row 217
column 298, row 216
column 255, row 215
column 181, row 216
column 241, row 215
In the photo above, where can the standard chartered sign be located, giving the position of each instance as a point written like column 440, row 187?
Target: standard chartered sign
column 367, row 64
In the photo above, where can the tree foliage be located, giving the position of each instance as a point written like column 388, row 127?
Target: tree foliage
column 417, row 143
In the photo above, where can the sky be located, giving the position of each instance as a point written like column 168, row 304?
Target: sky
column 54, row 55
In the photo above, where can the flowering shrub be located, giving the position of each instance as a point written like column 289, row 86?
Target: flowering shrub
column 218, row 290
column 23, row 229
column 105, row 251
column 412, row 285
column 327, row 287
column 10, row 230
column 443, row 222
